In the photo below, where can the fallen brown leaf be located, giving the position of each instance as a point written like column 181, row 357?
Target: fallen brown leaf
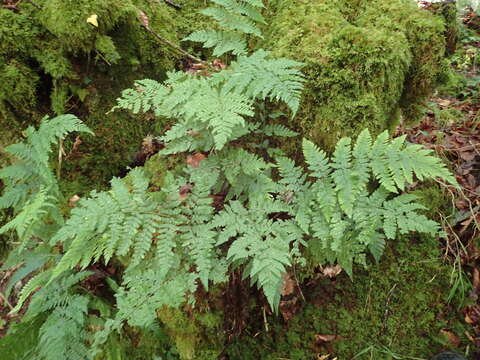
column 332, row 271
column 326, row 338
column 195, row 160
column 453, row 339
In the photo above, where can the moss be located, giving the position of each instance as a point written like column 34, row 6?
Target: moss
column 54, row 61
column 196, row 337
column 364, row 60
column 399, row 304
column 17, row 87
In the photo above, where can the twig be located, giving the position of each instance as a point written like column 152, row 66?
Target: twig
column 298, row 284
column 61, row 154
column 172, row 4
column 176, row 47
column 34, row 4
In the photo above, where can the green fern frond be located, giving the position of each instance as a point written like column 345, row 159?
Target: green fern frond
column 260, row 77
column 31, row 171
column 317, row 160
column 394, row 163
column 233, row 21
column 248, row 8
column 109, row 223
column 32, row 212
column 277, row 130
column 221, row 41
column 261, row 244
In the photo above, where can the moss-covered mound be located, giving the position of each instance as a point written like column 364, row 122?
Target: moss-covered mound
column 366, row 61
column 53, row 61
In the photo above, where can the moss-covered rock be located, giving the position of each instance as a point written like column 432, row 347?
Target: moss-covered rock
column 53, row 61
column 366, row 61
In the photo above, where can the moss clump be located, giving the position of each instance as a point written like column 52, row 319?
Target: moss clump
column 53, row 61
column 197, row 336
column 365, row 61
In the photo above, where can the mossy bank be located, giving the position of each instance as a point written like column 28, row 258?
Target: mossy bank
column 368, row 62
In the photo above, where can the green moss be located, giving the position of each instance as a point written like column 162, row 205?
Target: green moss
column 197, row 336
column 399, row 304
column 53, row 61
column 17, row 87
column 364, row 60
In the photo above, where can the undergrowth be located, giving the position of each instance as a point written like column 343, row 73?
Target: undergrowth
column 232, row 211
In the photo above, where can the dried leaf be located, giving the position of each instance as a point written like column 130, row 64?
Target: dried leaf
column 326, row 338
column 72, row 202
column 288, row 285
column 453, row 339
column 476, row 280
column 332, row 271
column 195, row 160
column 93, row 19
column 468, row 155
column 184, row 191
column 468, row 319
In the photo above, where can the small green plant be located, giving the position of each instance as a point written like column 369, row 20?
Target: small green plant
column 172, row 241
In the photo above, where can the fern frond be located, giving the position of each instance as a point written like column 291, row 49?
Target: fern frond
column 394, row 163
column 109, row 223
column 32, row 211
column 31, row 171
column 316, row 159
column 221, row 41
column 260, row 77
column 233, row 21
column 277, row 130
column 261, row 244
column 345, row 183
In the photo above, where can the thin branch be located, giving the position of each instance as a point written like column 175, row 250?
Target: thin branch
column 176, row 47
column 172, row 4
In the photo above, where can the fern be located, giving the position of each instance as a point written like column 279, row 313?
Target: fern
column 31, row 187
column 261, row 244
column 238, row 18
column 260, row 77
column 59, row 307
column 342, row 183
column 221, row 41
